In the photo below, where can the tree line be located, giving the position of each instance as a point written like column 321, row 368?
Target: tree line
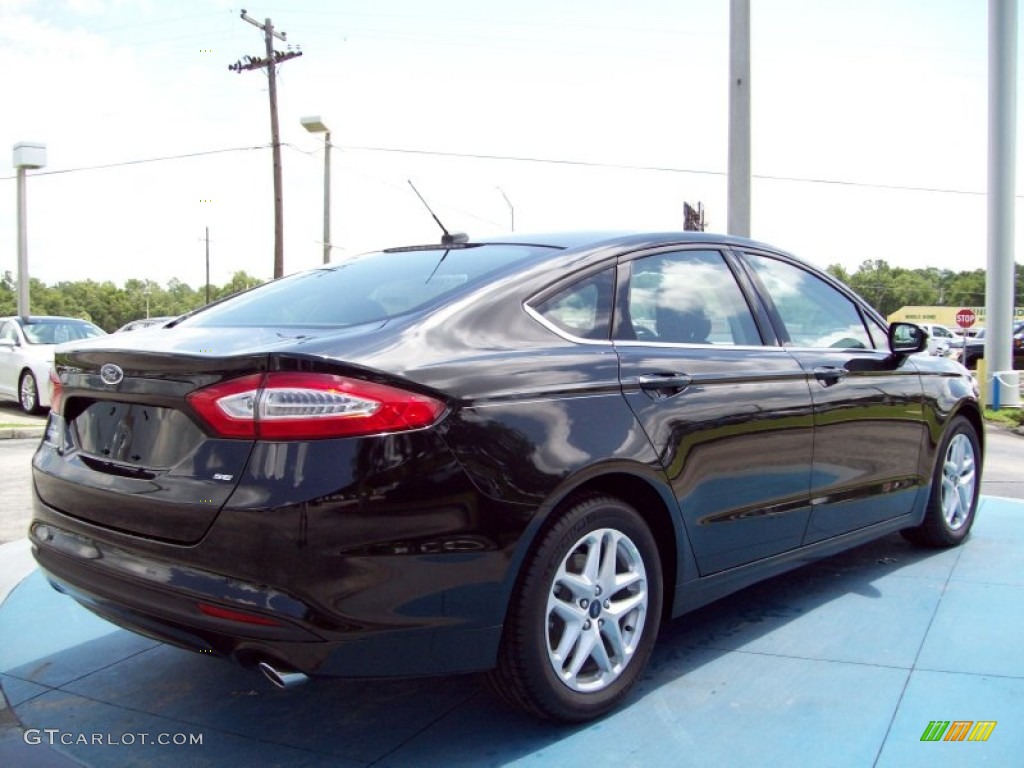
column 110, row 306
column 888, row 288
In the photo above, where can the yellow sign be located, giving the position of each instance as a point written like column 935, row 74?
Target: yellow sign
column 943, row 315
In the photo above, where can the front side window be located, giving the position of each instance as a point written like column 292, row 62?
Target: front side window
column 687, row 297
column 815, row 314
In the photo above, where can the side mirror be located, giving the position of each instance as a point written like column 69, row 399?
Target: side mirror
column 907, row 338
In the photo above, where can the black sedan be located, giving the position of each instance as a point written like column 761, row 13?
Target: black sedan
column 974, row 349
column 518, row 456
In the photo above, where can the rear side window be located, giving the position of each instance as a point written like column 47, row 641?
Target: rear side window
column 583, row 309
column 368, row 288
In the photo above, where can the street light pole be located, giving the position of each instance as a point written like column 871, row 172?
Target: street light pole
column 26, row 155
column 316, row 125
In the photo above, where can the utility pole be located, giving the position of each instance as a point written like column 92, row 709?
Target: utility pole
column 207, row 265
column 1002, row 184
column 270, row 62
column 738, row 215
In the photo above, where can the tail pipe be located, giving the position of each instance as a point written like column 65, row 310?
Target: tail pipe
column 282, row 677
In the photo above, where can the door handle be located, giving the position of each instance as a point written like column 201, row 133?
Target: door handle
column 829, row 375
column 664, row 384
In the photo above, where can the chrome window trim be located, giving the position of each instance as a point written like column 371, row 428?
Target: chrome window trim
column 561, row 333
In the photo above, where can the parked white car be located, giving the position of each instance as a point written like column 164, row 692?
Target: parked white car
column 26, row 355
column 940, row 339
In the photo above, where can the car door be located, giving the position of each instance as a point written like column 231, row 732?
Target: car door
column 10, row 358
column 729, row 416
column 868, row 404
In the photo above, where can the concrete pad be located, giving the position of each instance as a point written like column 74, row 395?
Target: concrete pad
column 979, row 629
column 834, row 664
column 952, row 696
column 49, row 639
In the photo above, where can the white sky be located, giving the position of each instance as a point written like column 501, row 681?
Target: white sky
column 869, row 94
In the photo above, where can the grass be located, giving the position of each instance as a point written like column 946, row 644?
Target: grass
column 1011, row 417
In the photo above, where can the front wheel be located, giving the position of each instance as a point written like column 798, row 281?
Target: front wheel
column 28, row 393
column 584, row 617
column 956, row 483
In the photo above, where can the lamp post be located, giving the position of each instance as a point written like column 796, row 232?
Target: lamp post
column 26, row 155
column 316, row 125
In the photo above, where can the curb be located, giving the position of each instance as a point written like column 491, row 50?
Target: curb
column 21, row 433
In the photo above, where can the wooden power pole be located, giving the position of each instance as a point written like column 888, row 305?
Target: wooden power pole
column 271, row 61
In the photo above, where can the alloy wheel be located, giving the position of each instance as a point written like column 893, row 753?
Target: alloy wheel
column 596, row 609
column 958, row 481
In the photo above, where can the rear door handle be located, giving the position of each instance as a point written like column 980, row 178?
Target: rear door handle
column 664, row 384
column 829, row 374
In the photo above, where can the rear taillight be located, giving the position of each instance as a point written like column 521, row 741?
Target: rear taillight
column 56, row 391
column 296, row 406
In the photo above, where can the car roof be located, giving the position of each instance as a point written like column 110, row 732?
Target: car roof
column 592, row 238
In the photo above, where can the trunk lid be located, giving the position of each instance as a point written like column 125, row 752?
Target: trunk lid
column 127, row 451
column 129, row 454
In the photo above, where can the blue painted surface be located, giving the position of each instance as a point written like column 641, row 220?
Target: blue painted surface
column 954, row 696
column 835, row 664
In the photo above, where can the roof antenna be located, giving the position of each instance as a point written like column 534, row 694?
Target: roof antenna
column 447, row 238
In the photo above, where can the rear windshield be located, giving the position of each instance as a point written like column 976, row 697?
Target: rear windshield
column 376, row 286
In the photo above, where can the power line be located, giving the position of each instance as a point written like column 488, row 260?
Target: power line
column 527, row 159
column 656, row 168
column 141, row 161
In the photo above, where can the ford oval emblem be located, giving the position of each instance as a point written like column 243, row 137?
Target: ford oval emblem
column 111, row 374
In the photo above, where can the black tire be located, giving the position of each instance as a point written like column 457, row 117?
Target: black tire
column 28, row 393
column 553, row 606
column 956, row 483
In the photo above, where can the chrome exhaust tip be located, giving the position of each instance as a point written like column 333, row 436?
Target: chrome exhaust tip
column 282, row 678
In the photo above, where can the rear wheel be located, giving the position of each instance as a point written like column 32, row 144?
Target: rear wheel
column 28, row 393
column 585, row 615
column 955, row 487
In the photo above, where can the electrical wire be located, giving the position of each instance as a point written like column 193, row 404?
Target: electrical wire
column 142, row 161
column 527, row 159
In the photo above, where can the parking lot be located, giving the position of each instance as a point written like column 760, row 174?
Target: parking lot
column 842, row 663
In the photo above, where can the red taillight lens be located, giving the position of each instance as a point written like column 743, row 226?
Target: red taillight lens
column 295, row 406
column 56, row 391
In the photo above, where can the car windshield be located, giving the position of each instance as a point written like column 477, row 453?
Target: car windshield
column 59, row 332
column 376, row 286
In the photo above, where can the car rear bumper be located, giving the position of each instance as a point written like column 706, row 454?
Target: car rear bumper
column 217, row 614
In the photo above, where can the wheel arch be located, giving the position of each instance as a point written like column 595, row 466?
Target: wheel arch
column 970, row 411
column 652, row 500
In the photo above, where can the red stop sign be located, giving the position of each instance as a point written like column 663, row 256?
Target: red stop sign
column 965, row 318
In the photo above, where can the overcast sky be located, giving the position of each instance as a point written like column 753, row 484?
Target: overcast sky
column 869, row 127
